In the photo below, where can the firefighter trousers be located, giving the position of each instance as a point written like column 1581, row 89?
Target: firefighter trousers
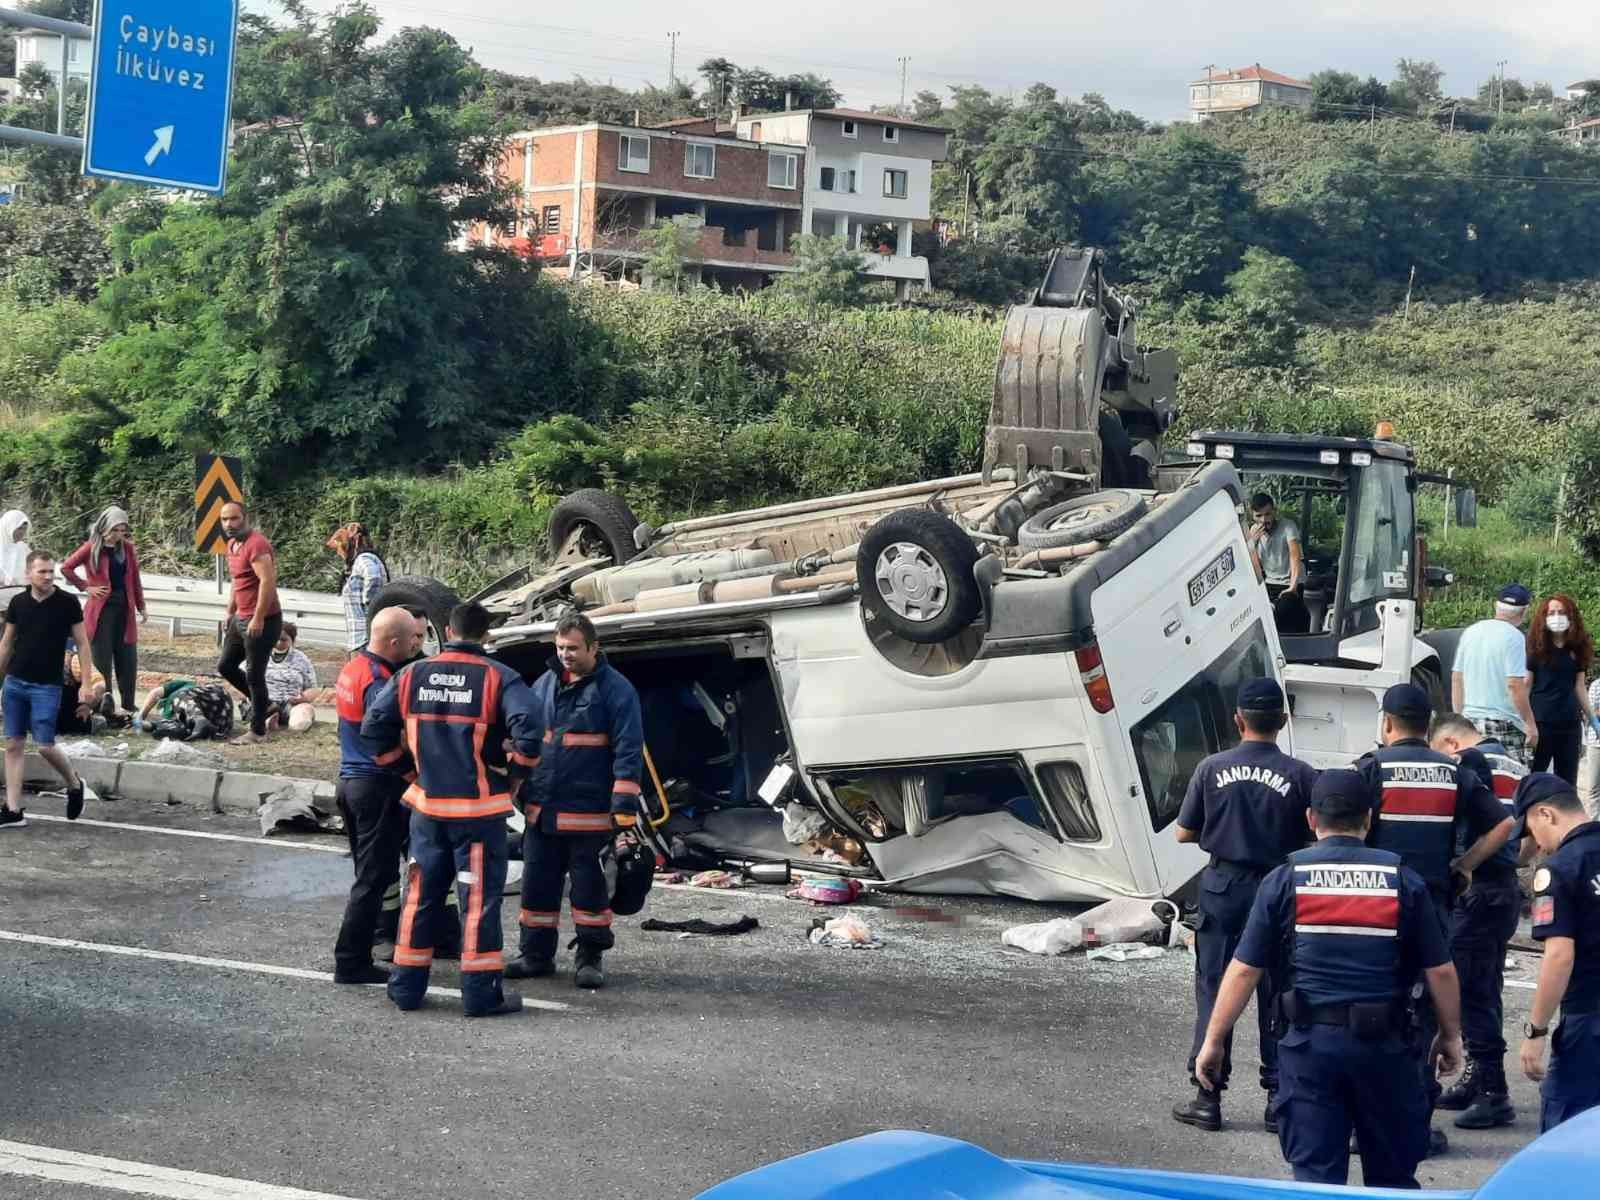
column 547, row 861
column 472, row 854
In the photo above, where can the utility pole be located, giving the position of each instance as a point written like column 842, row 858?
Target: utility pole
column 1372, row 121
column 905, row 70
column 1209, row 68
column 1453, row 108
column 672, row 57
column 966, row 204
column 1502, row 66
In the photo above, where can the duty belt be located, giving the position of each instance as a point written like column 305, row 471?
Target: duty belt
column 1339, row 1014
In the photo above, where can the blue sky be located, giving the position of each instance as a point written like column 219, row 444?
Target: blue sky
column 1138, row 53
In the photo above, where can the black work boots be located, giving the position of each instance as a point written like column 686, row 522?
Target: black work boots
column 1480, row 1096
column 1464, row 1091
column 1203, row 1112
column 522, row 967
column 589, row 973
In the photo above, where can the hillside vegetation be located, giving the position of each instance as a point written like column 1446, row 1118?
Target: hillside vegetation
column 317, row 322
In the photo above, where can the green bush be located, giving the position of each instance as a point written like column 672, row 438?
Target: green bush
column 1532, row 500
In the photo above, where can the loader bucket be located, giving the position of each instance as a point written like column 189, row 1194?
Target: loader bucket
column 1047, row 386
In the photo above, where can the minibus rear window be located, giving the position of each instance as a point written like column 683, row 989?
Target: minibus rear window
column 1195, row 721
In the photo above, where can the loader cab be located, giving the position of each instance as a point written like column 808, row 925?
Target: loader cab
column 1353, row 500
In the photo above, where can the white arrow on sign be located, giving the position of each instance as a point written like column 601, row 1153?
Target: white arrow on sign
column 163, row 145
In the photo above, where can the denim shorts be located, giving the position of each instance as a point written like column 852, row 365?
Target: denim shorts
column 31, row 707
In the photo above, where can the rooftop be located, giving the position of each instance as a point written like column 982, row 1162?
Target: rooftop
column 851, row 114
column 1242, row 74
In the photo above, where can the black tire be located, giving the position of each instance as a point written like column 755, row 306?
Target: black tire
column 926, row 561
column 610, row 524
column 435, row 599
column 1093, row 518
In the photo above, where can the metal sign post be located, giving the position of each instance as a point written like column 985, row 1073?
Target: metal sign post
column 160, row 92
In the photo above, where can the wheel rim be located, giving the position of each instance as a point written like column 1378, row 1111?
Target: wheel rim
column 432, row 639
column 592, row 541
column 1079, row 517
column 911, row 582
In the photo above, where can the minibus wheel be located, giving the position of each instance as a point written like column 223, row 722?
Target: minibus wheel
column 1097, row 517
column 915, row 572
column 604, row 522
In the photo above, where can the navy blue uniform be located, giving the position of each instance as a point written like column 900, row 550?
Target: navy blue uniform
column 585, row 783
column 1566, row 903
column 1350, row 928
column 1248, row 805
column 1484, row 922
column 1422, row 801
column 455, row 715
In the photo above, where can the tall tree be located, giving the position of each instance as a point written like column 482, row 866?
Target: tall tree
column 320, row 302
column 1341, row 96
column 81, row 11
column 1418, row 84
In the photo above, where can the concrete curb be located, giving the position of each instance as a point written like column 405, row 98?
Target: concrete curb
column 209, row 790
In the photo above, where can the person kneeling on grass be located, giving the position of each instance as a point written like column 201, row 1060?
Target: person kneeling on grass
column 38, row 623
column 290, row 679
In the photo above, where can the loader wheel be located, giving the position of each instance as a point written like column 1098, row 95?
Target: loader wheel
column 915, row 571
column 419, row 593
column 605, row 521
column 1094, row 518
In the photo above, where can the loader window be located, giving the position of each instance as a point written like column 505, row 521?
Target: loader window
column 1381, row 535
column 1194, row 722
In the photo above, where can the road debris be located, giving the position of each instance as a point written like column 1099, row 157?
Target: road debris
column 849, row 932
column 1045, row 937
column 703, row 928
column 1126, row 952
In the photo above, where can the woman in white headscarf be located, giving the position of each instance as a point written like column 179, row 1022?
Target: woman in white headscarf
column 106, row 570
column 14, row 549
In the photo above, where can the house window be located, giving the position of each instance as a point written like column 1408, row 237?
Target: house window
column 849, row 129
column 755, row 131
column 634, row 154
column 829, row 178
column 699, row 162
column 781, row 170
column 894, row 184
column 891, row 134
column 552, row 218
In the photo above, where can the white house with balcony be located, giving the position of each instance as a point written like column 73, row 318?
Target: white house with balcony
column 869, row 179
column 39, row 46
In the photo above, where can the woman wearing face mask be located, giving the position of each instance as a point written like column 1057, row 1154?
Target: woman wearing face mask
column 290, row 679
column 1560, row 652
column 14, row 549
column 106, row 570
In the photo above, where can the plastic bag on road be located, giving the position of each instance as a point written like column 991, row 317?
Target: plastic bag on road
column 89, row 748
column 801, row 824
column 1046, row 937
column 1128, row 920
column 844, row 933
column 291, row 809
column 1126, row 952
column 183, row 754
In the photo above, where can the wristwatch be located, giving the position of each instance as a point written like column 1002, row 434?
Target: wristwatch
column 1530, row 1030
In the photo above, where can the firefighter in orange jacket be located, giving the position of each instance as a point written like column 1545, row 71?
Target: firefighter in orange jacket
column 584, row 791
column 464, row 718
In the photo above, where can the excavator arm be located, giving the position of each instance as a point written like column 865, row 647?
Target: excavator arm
column 1073, row 389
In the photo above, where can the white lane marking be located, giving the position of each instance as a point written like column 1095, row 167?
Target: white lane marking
column 226, row 964
column 191, row 833
column 139, row 1179
column 1522, row 983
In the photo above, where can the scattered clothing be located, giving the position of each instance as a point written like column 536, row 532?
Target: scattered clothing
column 706, row 928
column 844, row 933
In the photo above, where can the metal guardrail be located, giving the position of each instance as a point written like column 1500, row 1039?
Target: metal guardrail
column 196, row 605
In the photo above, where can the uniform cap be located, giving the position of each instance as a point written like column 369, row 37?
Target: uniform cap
column 1341, row 795
column 1260, row 695
column 1409, row 701
column 1537, row 787
column 1515, row 595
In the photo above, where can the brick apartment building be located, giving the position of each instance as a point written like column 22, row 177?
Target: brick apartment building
column 590, row 191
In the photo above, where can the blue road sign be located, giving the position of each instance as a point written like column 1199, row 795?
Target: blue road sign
column 160, row 91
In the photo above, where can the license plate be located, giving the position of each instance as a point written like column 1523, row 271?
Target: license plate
column 1218, row 569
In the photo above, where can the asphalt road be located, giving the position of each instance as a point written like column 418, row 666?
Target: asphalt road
column 704, row 1058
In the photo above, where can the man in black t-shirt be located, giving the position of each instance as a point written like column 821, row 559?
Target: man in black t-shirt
column 38, row 623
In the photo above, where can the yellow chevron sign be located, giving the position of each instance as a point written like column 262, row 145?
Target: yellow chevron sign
column 216, row 482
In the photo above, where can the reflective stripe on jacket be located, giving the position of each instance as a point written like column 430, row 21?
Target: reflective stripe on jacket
column 592, row 755
column 454, row 714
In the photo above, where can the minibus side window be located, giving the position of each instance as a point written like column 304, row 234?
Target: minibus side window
column 1195, row 721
